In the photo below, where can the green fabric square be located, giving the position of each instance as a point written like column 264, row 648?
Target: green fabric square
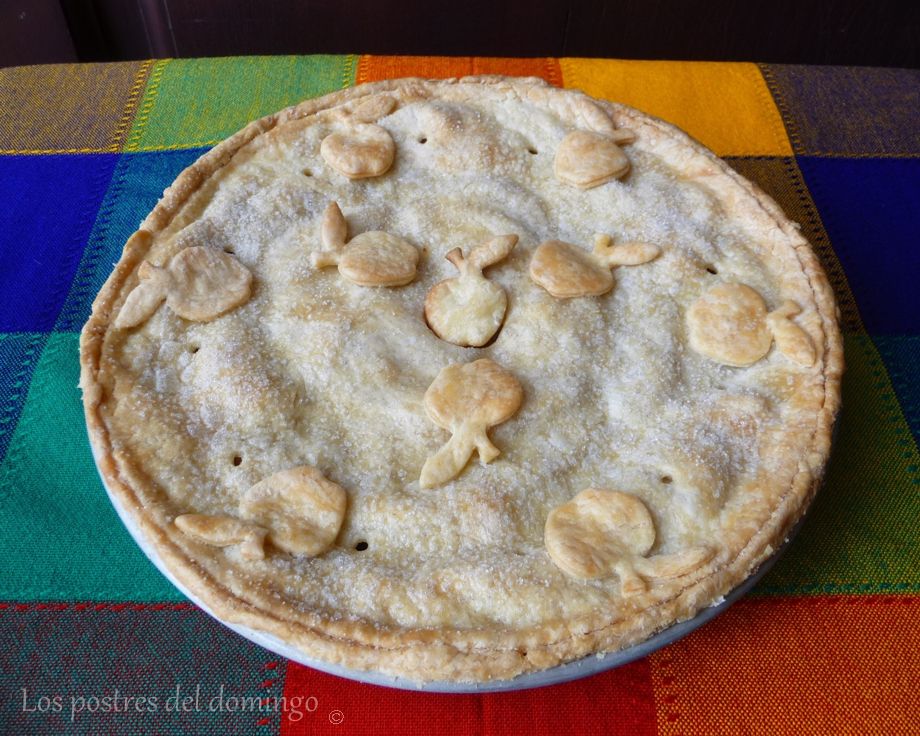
column 199, row 102
column 19, row 352
column 860, row 535
column 61, row 537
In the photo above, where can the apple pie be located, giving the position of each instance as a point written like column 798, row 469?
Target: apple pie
column 458, row 380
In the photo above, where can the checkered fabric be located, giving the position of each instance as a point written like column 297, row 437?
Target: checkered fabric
column 828, row 643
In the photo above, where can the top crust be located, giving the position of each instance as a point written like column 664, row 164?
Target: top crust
column 456, row 583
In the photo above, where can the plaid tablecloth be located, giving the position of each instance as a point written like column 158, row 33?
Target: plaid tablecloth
column 828, row 643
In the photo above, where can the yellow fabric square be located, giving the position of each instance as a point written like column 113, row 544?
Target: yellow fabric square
column 725, row 105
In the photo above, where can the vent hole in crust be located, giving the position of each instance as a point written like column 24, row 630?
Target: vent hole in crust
column 229, row 250
column 361, row 546
column 711, row 269
column 423, row 139
column 237, row 461
column 307, row 172
column 666, row 479
column 532, row 151
column 194, row 348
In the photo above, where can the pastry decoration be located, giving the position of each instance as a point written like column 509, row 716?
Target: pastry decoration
column 600, row 533
column 567, row 271
column 586, row 159
column 469, row 309
column 370, row 259
column 371, row 109
column 298, row 510
column 200, row 283
column 467, row 399
column 302, row 510
column 730, row 324
column 225, row 531
column 362, row 151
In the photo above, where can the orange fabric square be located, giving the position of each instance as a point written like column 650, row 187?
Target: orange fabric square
column 827, row 665
column 374, row 68
column 725, row 105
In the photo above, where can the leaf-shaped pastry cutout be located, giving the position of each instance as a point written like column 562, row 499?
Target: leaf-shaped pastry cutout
column 567, row 271
column 360, row 152
column 200, row 283
column 225, row 531
column 334, row 234
column 676, row 565
column 469, row 309
column 302, row 510
column 370, row 259
column 792, row 340
column 588, row 536
column 586, row 159
column 730, row 324
column 467, row 399
column 141, row 303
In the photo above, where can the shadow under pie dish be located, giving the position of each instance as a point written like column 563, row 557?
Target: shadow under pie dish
column 460, row 380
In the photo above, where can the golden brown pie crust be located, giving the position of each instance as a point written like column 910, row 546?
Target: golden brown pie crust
column 792, row 451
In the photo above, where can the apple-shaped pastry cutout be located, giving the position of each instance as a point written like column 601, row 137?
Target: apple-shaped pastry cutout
column 371, row 109
column 467, row 399
column 469, row 309
column 567, row 271
column 302, row 510
column 600, row 533
column 298, row 510
column 730, row 324
column 200, row 283
column 362, row 151
column 586, row 159
column 370, row 259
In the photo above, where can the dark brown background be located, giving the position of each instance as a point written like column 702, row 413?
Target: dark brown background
column 882, row 33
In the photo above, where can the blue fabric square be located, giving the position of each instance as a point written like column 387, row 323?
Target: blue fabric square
column 870, row 208
column 137, row 185
column 50, row 204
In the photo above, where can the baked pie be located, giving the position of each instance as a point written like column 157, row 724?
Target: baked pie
column 458, row 380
